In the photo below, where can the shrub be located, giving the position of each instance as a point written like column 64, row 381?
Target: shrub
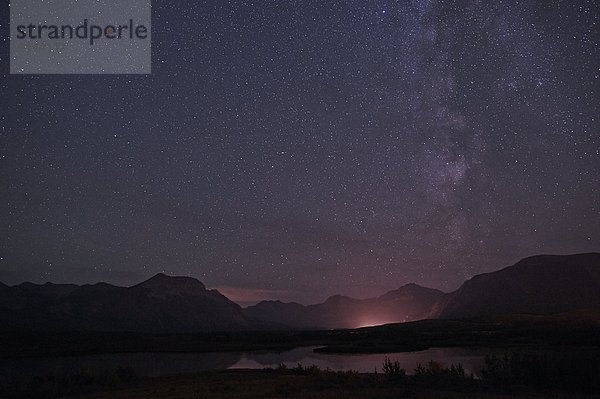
column 392, row 370
column 576, row 371
column 436, row 375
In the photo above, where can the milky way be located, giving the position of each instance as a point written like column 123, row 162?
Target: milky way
column 299, row 149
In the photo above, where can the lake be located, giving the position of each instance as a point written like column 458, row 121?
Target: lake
column 159, row 364
column 471, row 359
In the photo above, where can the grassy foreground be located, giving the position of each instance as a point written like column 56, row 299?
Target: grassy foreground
column 512, row 375
column 264, row 384
column 527, row 374
column 545, row 358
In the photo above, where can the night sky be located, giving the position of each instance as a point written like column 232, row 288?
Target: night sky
column 299, row 149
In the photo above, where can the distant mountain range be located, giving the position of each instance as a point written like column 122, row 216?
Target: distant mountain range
column 160, row 304
column 408, row 303
column 536, row 285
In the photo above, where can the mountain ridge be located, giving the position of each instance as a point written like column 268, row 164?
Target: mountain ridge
column 159, row 304
column 540, row 284
column 407, row 303
column 536, row 285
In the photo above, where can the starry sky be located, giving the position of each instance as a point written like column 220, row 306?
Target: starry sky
column 302, row 148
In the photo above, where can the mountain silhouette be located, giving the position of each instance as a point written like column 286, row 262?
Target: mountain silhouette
column 539, row 285
column 160, row 304
column 408, row 303
column 544, row 284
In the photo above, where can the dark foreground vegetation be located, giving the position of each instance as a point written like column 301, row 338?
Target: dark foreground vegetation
column 545, row 357
column 522, row 375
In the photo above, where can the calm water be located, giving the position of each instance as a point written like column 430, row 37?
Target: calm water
column 471, row 359
column 157, row 364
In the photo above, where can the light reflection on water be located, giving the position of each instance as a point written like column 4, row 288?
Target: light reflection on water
column 471, row 359
column 158, row 364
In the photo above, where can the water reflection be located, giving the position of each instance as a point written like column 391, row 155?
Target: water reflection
column 158, row 364
column 471, row 359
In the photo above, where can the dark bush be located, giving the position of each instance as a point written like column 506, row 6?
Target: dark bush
column 436, row 375
column 575, row 372
column 392, row 370
column 56, row 385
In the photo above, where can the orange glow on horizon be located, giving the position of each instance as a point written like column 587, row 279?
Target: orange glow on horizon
column 375, row 322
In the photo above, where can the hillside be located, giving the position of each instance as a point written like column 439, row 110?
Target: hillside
column 545, row 284
column 160, row 304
